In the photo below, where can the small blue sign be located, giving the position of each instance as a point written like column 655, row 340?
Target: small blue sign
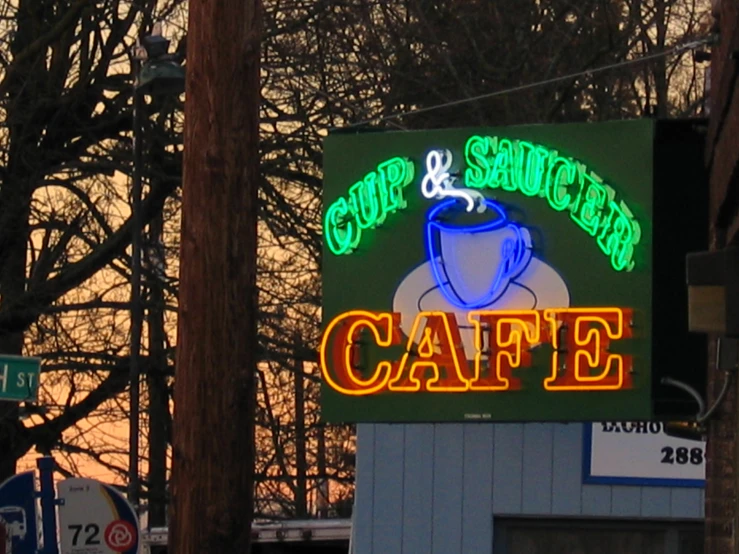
column 18, row 514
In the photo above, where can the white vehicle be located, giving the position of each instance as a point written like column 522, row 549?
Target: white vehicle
column 333, row 536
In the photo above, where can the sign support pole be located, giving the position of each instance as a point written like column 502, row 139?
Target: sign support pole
column 48, row 504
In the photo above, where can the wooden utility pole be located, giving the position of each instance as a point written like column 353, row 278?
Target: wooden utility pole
column 212, row 481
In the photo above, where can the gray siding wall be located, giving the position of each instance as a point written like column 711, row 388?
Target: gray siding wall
column 427, row 488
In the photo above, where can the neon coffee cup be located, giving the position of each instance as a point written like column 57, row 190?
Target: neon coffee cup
column 474, row 263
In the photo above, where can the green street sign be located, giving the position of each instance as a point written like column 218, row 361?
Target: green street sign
column 19, row 378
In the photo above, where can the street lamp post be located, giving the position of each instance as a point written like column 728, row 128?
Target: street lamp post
column 156, row 73
column 136, row 307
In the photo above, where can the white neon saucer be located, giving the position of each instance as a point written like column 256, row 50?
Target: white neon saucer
column 538, row 287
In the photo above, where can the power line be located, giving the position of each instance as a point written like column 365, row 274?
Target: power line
column 334, row 98
column 676, row 49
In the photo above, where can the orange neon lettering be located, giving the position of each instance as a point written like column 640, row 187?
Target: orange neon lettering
column 439, row 349
column 580, row 338
column 510, row 335
column 339, row 349
column 435, row 360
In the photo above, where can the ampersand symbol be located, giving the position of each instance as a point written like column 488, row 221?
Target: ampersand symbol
column 437, row 178
column 439, row 183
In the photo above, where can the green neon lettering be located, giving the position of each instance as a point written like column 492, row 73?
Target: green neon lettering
column 478, row 173
column 529, row 168
column 396, row 174
column 340, row 230
column 561, row 175
column 370, row 200
column 504, row 159
column 621, row 234
column 493, row 162
column 365, row 202
column 589, row 205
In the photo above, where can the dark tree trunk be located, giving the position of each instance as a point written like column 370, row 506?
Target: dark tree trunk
column 661, row 83
column 12, row 284
column 16, row 191
column 212, row 482
column 301, row 460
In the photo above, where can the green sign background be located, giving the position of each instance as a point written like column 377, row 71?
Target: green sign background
column 19, row 378
column 619, row 152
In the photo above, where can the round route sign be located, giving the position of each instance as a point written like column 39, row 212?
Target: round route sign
column 94, row 518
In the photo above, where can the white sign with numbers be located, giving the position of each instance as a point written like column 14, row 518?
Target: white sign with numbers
column 640, row 453
column 95, row 519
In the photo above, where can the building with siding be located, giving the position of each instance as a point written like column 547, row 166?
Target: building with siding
column 722, row 159
column 506, row 488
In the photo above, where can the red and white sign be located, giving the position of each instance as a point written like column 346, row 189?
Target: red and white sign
column 120, row 535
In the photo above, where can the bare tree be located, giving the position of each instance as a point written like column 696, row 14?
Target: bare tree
column 65, row 152
column 64, row 149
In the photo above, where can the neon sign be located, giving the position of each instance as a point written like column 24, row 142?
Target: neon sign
column 370, row 201
column 578, row 341
column 492, row 163
column 494, row 277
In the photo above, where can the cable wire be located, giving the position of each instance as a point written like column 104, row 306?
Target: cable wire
column 692, row 45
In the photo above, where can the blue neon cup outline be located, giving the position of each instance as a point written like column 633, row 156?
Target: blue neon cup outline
column 438, row 266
